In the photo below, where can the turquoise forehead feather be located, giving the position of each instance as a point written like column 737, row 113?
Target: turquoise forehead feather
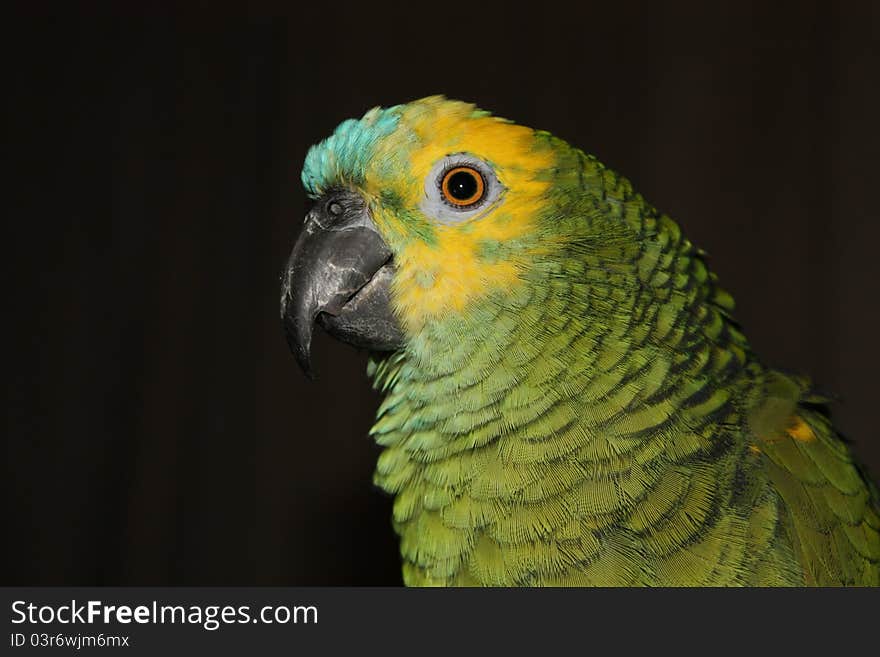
column 343, row 157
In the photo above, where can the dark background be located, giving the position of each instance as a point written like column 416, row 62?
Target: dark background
column 157, row 429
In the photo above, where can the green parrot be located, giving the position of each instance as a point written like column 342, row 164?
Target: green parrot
column 567, row 398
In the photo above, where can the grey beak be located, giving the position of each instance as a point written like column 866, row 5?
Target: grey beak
column 339, row 275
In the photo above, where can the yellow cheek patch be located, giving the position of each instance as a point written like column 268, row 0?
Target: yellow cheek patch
column 442, row 275
column 433, row 280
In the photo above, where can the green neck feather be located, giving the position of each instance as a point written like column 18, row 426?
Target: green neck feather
column 614, row 362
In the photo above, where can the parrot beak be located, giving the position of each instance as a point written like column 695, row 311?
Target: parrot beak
column 339, row 274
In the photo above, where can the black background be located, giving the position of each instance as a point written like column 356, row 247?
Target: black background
column 157, row 429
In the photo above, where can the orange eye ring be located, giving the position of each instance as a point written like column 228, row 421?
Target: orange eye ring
column 463, row 186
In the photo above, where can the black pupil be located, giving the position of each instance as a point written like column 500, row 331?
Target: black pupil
column 462, row 186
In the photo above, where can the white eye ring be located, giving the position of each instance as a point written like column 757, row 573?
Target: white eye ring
column 435, row 203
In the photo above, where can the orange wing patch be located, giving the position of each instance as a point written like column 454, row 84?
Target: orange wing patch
column 797, row 429
column 800, row 430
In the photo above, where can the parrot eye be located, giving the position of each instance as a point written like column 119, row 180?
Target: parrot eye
column 459, row 187
column 462, row 186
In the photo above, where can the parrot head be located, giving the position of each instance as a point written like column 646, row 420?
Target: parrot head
column 431, row 218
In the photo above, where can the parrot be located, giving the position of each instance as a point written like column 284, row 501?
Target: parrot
column 567, row 399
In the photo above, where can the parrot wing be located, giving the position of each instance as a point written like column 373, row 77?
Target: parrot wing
column 830, row 509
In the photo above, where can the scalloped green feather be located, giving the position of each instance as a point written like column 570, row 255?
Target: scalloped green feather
column 598, row 419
